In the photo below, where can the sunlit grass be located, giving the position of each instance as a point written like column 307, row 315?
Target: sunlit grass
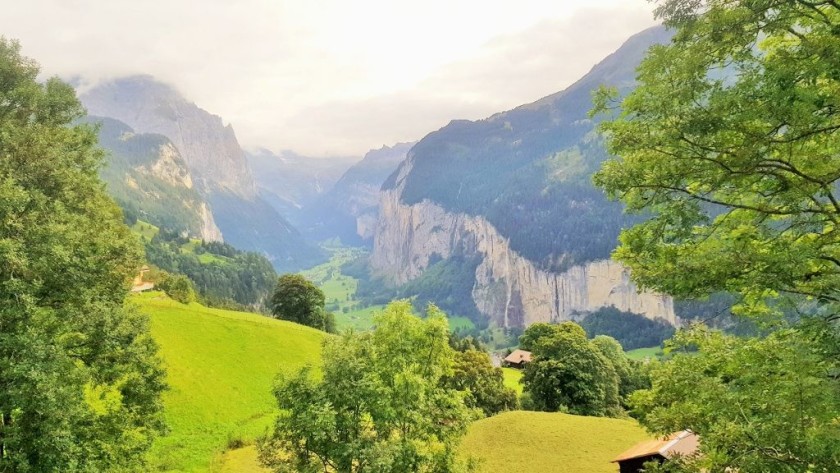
column 220, row 367
column 522, row 441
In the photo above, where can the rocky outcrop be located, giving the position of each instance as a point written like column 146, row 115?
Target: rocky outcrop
column 509, row 289
column 210, row 148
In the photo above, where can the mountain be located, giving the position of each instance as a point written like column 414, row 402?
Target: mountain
column 291, row 182
column 350, row 209
column 217, row 165
column 512, row 196
column 147, row 176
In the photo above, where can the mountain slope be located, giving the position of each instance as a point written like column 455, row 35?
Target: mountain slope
column 216, row 162
column 147, row 176
column 291, row 182
column 220, row 369
column 514, row 191
column 349, row 210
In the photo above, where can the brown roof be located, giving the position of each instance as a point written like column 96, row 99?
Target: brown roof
column 519, row 356
column 679, row 443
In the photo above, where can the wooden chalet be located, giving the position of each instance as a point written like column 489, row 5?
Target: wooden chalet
column 518, row 359
column 683, row 443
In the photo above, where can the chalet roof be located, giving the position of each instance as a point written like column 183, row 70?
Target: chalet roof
column 519, row 356
column 679, row 443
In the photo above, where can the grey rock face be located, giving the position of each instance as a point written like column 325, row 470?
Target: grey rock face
column 208, row 146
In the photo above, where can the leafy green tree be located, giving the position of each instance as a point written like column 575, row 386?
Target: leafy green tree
column 484, row 385
column 568, row 373
column 380, row 405
column 178, row 287
column 730, row 144
column 759, row 404
column 80, row 379
column 297, row 299
column 632, row 374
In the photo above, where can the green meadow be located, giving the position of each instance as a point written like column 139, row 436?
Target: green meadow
column 649, row 353
column 340, row 289
column 220, row 369
column 521, row 441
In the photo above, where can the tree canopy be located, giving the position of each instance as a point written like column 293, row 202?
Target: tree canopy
column 297, row 299
column 568, row 372
column 731, row 146
column 379, row 406
column 80, row 380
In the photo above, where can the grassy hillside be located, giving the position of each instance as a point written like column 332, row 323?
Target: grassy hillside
column 520, row 442
column 221, row 365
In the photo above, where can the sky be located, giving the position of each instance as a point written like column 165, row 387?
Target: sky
column 331, row 77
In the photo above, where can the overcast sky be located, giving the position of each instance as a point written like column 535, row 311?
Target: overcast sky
column 331, row 77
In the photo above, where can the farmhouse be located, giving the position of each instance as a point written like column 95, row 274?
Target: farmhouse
column 518, row 358
column 677, row 444
column 139, row 285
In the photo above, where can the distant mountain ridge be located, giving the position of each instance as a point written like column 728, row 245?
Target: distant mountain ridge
column 514, row 191
column 350, row 209
column 216, row 162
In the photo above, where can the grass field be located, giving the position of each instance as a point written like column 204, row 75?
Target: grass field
column 645, row 353
column 525, row 442
column 339, row 290
column 145, row 230
column 512, row 378
column 220, row 368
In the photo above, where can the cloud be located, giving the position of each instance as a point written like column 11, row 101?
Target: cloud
column 330, row 76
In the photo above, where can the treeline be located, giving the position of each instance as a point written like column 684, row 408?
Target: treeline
column 232, row 277
column 631, row 330
column 447, row 283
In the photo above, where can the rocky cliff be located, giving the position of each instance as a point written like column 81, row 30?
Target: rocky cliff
column 147, row 175
column 509, row 289
column 513, row 193
column 207, row 145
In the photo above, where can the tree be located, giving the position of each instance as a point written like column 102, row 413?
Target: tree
column 772, row 407
column 380, row 405
column 178, row 287
column 568, row 373
column 731, row 145
column 632, row 374
column 80, row 379
column 296, row 299
column 484, row 384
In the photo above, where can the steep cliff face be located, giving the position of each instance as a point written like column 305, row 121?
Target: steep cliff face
column 208, row 146
column 509, row 289
column 147, row 175
column 514, row 192
column 218, row 170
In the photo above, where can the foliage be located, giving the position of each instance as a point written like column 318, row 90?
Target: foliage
column 80, row 379
column 178, row 287
column 730, row 144
column 380, row 405
column 569, row 373
column 631, row 330
column 233, row 275
column 522, row 441
column 220, row 366
column 632, row 374
column 759, row 404
column 296, row 299
column 484, row 384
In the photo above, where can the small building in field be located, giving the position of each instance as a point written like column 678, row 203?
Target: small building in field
column 140, row 284
column 683, row 443
column 518, row 359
